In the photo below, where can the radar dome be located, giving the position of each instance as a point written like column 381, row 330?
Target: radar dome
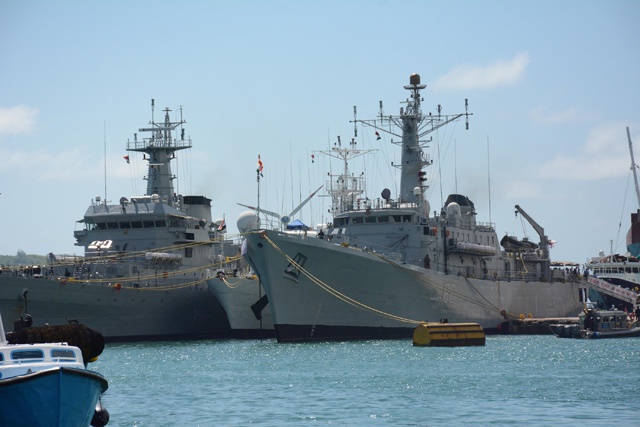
column 247, row 221
column 453, row 210
column 414, row 79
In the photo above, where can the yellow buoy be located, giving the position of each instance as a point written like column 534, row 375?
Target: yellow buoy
column 448, row 335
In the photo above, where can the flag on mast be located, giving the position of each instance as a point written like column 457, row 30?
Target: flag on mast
column 260, row 166
column 126, row 158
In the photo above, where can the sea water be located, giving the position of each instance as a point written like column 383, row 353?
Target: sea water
column 513, row 380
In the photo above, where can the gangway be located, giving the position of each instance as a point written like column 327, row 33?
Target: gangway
column 623, row 294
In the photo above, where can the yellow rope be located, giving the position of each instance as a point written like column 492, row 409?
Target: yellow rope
column 146, row 287
column 229, row 284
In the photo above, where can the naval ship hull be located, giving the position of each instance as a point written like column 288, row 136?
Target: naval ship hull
column 342, row 293
column 125, row 314
column 246, row 306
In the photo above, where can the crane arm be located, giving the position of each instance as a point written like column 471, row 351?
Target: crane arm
column 544, row 240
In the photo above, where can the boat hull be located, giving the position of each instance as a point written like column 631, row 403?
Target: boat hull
column 575, row 331
column 51, row 398
column 354, row 294
column 242, row 300
column 620, row 333
column 120, row 314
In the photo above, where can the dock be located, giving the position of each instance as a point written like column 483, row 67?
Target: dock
column 534, row 326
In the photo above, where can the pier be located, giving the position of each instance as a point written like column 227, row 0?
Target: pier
column 534, row 326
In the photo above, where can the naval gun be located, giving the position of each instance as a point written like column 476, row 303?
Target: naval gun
column 544, row 242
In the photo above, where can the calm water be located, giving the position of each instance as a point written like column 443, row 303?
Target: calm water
column 522, row 380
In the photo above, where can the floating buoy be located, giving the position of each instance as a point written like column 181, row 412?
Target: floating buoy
column 448, row 335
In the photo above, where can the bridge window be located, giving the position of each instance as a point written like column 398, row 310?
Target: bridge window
column 27, row 354
column 63, row 353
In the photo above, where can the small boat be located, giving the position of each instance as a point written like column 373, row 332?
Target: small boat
column 512, row 244
column 597, row 324
column 48, row 384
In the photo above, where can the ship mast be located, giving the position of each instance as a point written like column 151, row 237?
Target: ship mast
column 160, row 148
column 415, row 126
column 634, row 167
column 345, row 188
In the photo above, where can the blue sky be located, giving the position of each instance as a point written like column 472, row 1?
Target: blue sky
column 552, row 86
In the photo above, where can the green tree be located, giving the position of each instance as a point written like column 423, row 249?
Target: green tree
column 21, row 257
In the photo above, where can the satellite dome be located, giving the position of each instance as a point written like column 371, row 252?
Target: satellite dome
column 247, row 221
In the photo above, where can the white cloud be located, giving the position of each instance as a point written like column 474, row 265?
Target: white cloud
column 500, row 73
column 605, row 154
column 18, row 119
column 66, row 165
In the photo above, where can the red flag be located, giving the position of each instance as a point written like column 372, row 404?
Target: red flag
column 377, row 135
column 126, row 158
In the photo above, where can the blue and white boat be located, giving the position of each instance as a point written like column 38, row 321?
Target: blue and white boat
column 48, row 385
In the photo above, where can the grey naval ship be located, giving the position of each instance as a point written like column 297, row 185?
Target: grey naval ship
column 382, row 266
column 145, row 264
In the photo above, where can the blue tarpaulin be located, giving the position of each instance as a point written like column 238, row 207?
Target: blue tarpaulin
column 297, row 225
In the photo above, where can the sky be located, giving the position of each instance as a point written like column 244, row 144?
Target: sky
column 552, row 86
